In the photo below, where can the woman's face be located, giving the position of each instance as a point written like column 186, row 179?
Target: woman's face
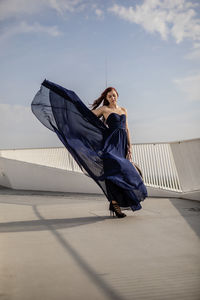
column 112, row 97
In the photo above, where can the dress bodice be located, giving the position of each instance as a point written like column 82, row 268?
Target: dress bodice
column 115, row 120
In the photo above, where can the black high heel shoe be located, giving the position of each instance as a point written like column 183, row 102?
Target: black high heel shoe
column 115, row 209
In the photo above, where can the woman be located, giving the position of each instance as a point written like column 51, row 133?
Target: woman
column 101, row 149
column 109, row 96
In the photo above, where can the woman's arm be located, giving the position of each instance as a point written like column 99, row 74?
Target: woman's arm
column 129, row 152
column 98, row 111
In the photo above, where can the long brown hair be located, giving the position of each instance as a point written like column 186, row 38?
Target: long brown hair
column 99, row 100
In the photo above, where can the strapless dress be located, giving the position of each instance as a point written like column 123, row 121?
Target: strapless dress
column 99, row 149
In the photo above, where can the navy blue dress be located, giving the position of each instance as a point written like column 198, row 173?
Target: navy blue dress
column 99, row 149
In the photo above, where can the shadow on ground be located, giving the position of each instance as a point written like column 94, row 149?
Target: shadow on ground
column 190, row 211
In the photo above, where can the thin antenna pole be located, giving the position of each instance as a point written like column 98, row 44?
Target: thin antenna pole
column 106, row 71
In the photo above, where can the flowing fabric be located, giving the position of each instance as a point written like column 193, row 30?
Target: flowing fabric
column 99, row 149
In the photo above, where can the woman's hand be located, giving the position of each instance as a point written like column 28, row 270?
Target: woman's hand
column 129, row 155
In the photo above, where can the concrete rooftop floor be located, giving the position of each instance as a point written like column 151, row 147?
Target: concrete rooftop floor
column 66, row 246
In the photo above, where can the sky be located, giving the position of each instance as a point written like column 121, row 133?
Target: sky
column 149, row 50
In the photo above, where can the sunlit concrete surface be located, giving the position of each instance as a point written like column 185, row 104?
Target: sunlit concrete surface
column 60, row 246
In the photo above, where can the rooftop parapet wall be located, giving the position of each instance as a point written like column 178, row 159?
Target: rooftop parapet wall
column 186, row 156
column 167, row 167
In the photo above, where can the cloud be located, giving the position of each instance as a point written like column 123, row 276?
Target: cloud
column 12, row 113
column 195, row 52
column 176, row 18
column 66, row 5
column 20, row 128
column 24, row 27
column 190, row 86
column 13, row 12
column 13, row 9
column 178, row 126
column 99, row 12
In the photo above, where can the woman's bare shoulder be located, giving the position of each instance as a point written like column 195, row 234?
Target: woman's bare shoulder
column 124, row 109
column 103, row 109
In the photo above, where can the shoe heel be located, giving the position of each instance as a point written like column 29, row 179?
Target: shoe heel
column 112, row 214
column 115, row 210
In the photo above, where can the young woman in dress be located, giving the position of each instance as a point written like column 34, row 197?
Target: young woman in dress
column 109, row 98
column 101, row 149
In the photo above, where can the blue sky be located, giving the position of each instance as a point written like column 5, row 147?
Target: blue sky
column 151, row 49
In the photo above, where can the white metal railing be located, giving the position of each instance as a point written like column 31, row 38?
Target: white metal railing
column 57, row 157
column 155, row 160
column 157, row 165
